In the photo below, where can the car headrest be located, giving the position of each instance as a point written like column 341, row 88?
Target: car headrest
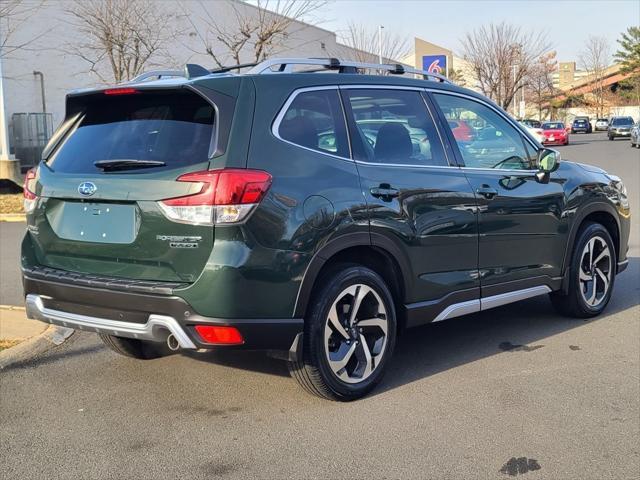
column 393, row 143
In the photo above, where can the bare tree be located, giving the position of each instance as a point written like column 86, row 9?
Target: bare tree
column 364, row 43
column 501, row 57
column 252, row 35
column 121, row 36
column 595, row 59
column 539, row 83
column 457, row 77
column 13, row 14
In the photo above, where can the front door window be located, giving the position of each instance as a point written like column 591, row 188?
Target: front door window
column 485, row 139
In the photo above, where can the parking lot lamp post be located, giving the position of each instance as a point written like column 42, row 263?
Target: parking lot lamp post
column 380, row 27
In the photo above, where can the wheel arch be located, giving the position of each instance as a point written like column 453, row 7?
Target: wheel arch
column 384, row 258
column 602, row 213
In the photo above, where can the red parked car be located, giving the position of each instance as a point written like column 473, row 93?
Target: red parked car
column 461, row 130
column 554, row 133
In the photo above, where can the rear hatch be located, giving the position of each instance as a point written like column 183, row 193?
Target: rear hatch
column 118, row 154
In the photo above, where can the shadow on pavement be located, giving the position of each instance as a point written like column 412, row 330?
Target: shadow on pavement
column 431, row 349
column 444, row 345
column 63, row 352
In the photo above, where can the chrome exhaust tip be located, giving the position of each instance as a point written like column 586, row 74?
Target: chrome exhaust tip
column 172, row 342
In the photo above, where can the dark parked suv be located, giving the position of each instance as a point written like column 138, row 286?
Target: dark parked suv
column 581, row 124
column 314, row 215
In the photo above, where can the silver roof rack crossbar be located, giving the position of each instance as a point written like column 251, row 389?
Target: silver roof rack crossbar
column 286, row 65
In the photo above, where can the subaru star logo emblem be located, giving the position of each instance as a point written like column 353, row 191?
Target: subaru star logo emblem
column 87, row 188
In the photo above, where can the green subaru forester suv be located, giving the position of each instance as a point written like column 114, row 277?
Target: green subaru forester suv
column 314, row 208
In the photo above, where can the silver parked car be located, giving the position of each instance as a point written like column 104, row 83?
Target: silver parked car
column 635, row 135
column 620, row 127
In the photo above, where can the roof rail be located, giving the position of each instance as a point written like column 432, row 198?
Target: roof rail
column 191, row 70
column 285, row 65
column 233, row 67
column 157, row 74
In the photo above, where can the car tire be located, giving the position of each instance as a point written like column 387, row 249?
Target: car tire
column 598, row 277
column 323, row 368
column 133, row 348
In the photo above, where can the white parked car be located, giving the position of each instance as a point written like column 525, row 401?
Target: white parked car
column 602, row 124
column 536, row 132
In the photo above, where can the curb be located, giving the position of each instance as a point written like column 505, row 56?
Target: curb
column 13, row 217
column 51, row 337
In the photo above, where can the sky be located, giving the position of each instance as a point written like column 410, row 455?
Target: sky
column 566, row 22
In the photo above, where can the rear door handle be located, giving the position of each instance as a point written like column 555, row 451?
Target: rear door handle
column 384, row 192
column 487, row 192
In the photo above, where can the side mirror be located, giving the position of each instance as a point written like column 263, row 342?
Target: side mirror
column 548, row 162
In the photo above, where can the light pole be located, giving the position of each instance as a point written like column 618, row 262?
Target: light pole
column 380, row 27
column 515, row 112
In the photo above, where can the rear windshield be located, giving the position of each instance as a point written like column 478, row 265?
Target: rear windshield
column 174, row 127
column 622, row 121
column 553, row 126
column 580, row 121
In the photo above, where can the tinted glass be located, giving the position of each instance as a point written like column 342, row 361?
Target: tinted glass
column 315, row 120
column 173, row 127
column 627, row 121
column 393, row 126
column 491, row 142
column 553, row 126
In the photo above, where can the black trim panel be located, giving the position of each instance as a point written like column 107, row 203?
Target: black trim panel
column 101, row 281
column 319, row 259
column 515, row 285
column 622, row 266
column 421, row 313
column 258, row 334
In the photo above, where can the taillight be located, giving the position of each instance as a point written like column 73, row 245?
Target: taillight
column 225, row 196
column 220, row 335
column 28, row 190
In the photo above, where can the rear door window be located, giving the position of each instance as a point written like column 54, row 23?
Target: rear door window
column 314, row 120
column 172, row 127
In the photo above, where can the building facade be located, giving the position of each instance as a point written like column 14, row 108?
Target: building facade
column 36, row 77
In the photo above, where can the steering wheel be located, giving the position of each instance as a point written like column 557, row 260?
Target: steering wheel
column 509, row 159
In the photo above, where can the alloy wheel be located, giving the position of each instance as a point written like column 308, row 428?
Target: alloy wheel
column 595, row 271
column 355, row 333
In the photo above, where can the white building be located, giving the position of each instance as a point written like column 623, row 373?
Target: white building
column 50, row 41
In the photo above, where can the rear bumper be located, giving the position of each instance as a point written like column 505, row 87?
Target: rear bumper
column 145, row 316
column 620, row 134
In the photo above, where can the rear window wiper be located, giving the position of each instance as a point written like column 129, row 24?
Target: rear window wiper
column 123, row 164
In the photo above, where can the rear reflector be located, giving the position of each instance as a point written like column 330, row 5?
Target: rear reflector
column 225, row 196
column 219, row 335
column 120, row 91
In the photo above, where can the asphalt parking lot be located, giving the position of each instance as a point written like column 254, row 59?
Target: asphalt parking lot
column 515, row 391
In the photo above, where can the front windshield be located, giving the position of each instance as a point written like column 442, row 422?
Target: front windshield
column 622, row 121
column 553, row 126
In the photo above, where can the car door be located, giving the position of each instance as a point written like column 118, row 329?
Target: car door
column 419, row 204
column 521, row 241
